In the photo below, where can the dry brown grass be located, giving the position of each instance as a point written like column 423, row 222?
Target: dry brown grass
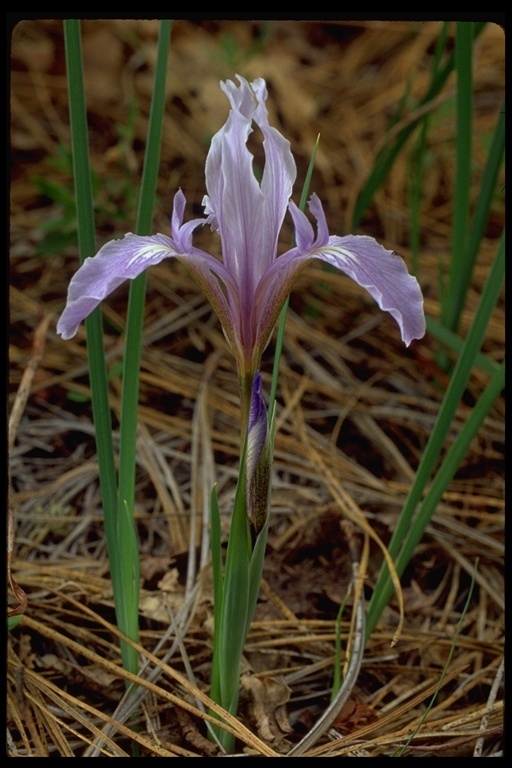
column 355, row 411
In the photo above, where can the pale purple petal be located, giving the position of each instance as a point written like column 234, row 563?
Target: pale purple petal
column 248, row 217
column 279, row 175
column 126, row 259
column 384, row 275
column 182, row 233
column 305, row 238
column 271, row 294
column 98, row 276
column 381, row 272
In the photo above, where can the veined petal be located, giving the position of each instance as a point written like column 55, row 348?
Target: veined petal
column 126, row 259
column 182, row 233
column 304, row 233
column 247, row 215
column 98, row 276
column 381, row 272
column 384, row 275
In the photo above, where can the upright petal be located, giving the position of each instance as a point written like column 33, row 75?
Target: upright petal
column 247, row 215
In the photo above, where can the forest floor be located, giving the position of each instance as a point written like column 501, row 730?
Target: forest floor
column 355, row 410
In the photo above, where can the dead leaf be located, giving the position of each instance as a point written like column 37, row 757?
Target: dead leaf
column 269, row 695
column 355, row 715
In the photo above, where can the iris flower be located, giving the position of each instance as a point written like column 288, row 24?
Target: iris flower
column 249, row 286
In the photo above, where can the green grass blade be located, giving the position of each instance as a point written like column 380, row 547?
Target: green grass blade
column 128, row 543
column 479, row 220
column 459, row 266
column 450, row 464
column 216, row 549
column 458, row 382
column 87, row 247
column 336, row 682
column 218, row 589
column 388, row 154
column 231, row 633
column 455, row 343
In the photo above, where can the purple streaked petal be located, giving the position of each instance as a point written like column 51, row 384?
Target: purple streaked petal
column 271, row 294
column 248, row 217
column 98, row 276
column 384, row 275
column 381, row 272
column 126, row 259
column 304, row 233
column 182, row 233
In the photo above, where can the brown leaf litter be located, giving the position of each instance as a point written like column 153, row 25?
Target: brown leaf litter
column 355, row 412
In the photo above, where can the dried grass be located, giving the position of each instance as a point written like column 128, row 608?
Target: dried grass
column 355, row 413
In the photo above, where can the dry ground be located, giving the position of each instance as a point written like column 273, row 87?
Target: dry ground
column 355, row 411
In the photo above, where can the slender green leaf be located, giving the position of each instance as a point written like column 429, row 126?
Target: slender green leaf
column 230, row 635
column 218, row 591
column 464, row 101
column 455, row 343
column 128, row 543
column 479, row 220
column 450, row 465
column 433, row 449
column 86, row 242
column 388, row 154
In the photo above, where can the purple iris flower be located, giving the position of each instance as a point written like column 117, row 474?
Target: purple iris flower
column 249, row 286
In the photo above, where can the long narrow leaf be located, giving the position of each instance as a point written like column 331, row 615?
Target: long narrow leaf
column 432, row 452
column 451, row 463
column 230, row 636
column 452, row 341
column 479, row 221
column 218, row 591
column 464, row 101
column 128, row 543
column 93, row 324
column 387, row 156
